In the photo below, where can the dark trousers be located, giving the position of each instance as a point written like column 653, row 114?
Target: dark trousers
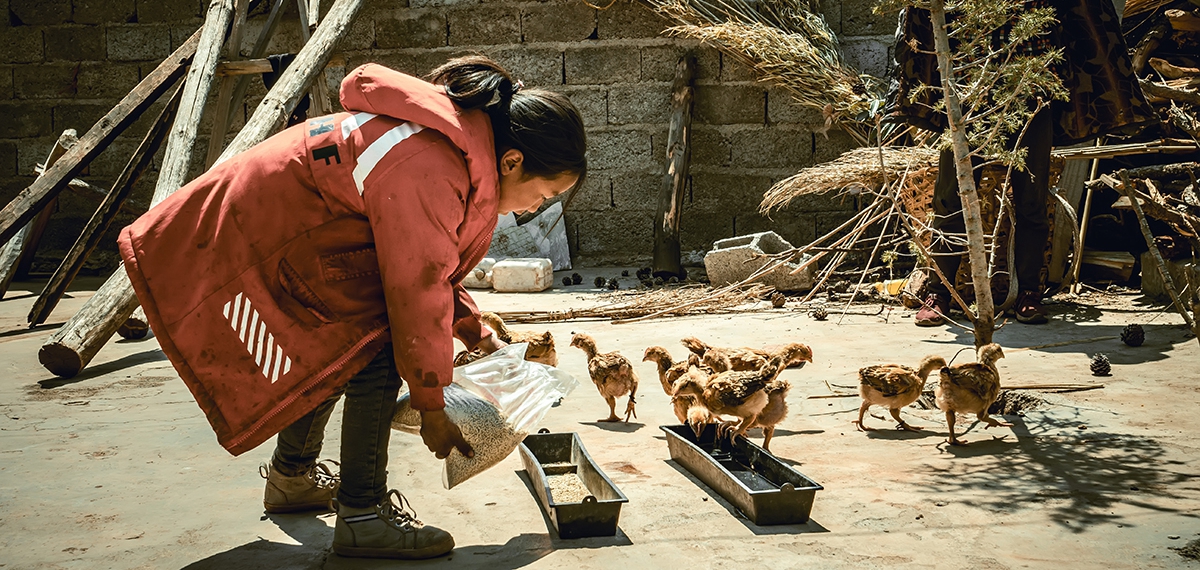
column 366, row 429
column 1030, row 187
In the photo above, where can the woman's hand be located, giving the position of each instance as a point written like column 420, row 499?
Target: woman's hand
column 441, row 435
column 491, row 344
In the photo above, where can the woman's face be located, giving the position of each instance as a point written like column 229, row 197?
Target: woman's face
column 521, row 192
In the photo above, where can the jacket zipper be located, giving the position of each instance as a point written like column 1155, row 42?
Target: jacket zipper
column 458, row 275
column 312, row 384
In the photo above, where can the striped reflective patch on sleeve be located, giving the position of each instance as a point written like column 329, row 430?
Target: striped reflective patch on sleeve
column 370, row 158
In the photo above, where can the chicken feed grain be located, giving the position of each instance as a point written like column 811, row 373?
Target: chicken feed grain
column 567, row 488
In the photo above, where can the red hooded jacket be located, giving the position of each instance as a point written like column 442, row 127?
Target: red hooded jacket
column 276, row 276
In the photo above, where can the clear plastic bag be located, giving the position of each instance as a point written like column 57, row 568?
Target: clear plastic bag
column 495, row 401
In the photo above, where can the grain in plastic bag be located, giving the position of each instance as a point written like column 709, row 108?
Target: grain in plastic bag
column 495, row 402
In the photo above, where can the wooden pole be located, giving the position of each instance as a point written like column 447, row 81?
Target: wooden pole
column 260, row 47
column 985, row 317
column 309, row 14
column 10, row 255
column 32, row 199
column 136, row 326
column 104, row 214
column 222, row 116
column 667, row 260
column 71, row 348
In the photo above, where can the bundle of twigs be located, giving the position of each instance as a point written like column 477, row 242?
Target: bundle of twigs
column 785, row 44
column 867, row 168
column 661, row 302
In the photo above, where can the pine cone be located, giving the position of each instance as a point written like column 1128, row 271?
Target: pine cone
column 566, row 281
column 778, row 300
column 599, row 282
column 819, row 313
column 1133, row 335
column 576, row 279
column 625, row 273
column 613, row 285
column 1100, row 365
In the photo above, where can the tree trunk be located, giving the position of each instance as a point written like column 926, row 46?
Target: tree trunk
column 667, row 257
column 984, row 317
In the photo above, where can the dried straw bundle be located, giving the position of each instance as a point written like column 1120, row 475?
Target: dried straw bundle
column 869, row 168
column 670, row 302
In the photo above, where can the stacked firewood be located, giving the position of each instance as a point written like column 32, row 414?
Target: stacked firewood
column 1164, row 37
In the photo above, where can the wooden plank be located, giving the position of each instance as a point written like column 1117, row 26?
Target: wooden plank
column 32, row 199
column 1070, row 187
column 221, row 117
column 243, row 67
column 667, row 261
column 319, row 94
column 104, row 215
column 260, row 48
column 10, row 255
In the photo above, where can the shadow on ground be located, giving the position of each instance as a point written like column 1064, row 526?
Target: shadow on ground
column 810, row 527
column 128, row 361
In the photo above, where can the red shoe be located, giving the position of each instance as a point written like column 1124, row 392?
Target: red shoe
column 927, row 316
column 1029, row 308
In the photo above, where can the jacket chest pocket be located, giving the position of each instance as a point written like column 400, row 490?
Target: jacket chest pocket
column 349, row 265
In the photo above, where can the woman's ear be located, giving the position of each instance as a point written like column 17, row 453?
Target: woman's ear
column 511, row 161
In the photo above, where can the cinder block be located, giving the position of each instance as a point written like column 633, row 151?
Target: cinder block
column 6, row 82
column 659, row 62
column 10, row 187
column 859, row 19
column 170, row 10
column 596, row 193
column 103, row 11
column 109, row 163
column 362, row 35
column 537, row 67
column 733, row 70
column 8, row 159
column 795, row 227
column 557, row 22
column 138, row 42
column 40, row 12
column 832, row 11
column 591, row 101
column 710, row 146
column 484, row 26
column 44, row 81
column 410, row 29
column 698, row 230
column 730, row 104
column 832, row 145
column 626, row 19
column 613, row 233
column 22, row 44
column 75, row 43
column 868, row 54
column 637, row 190
column 722, row 190
column 639, row 103
column 435, row 3
column 619, row 149
column 783, row 108
column 78, row 116
column 412, row 62
column 771, row 147
column 32, row 152
column 733, row 260
column 106, row 80
column 602, row 64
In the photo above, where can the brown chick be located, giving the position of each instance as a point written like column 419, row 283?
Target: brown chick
column 613, row 375
column 735, row 393
column 741, row 359
column 669, row 373
column 541, row 346
column 688, row 408
column 894, row 386
column 970, row 389
column 777, row 390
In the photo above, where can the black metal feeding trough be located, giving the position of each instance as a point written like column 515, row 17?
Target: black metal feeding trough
column 765, row 489
column 592, row 507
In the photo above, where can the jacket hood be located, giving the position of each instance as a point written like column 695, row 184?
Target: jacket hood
column 373, row 88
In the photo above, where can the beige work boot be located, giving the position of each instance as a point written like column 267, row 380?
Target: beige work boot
column 314, row 490
column 388, row 530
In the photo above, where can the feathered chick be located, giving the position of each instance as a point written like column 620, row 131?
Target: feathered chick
column 970, row 389
column 741, row 359
column 734, row 393
column 541, row 346
column 669, row 372
column 612, row 373
column 777, row 391
column 894, row 386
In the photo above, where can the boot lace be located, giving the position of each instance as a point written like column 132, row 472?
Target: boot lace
column 398, row 512
column 323, row 475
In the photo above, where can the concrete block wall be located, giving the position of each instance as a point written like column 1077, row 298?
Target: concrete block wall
column 66, row 62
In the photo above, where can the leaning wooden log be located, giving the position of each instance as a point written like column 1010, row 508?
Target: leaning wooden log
column 10, row 255
column 74, row 346
column 32, row 199
column 136, row 326
column 1178, row 95
column 309, row 14
column 667, row 261
column 260, row 48
column 104, row 215
column 221, row 116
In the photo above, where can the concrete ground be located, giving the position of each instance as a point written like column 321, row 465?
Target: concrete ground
column 117, row 468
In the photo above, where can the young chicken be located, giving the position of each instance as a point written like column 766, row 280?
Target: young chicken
column 894, row 386
column 735, row 393
column 741, row 359
column 541, row 346
column 688, row 408
column 668, row 369
column 970, row 389
column 777, row 390
column 613, row 375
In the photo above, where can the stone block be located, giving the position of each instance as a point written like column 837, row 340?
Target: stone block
column 730, row 104
column 831, row 10
column 627, row 19
column 557, row 22
column 733, row 260
column 436, row 3
column 40, row 12
column 591, row 101
column 710, row 147
column 25, row 119
column 410, row 29
column 619, row 149
column 613, row 233
column 698, row 230
column 639, row 103
column 170, row 10
column 104, row 11
column 868, row 54
column 859, row 19
column 109, row 163
column 32, row 152
column 78, row 116
column 727, row 191
column 45, row 81
column 596, row 193
column 362, row 35
column 1182, row 272
column 782, row 108
column 536, row 66
column 8, row 159
column 484, row 26
column 658, row 62
column 139, row 42
column 106, row 80
column 602, row 64
column 6, row 82
column 733, row 70
column 75, row 43
column 22, row 44
column 637, row 190
column 771, row 147
column 831, row 145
